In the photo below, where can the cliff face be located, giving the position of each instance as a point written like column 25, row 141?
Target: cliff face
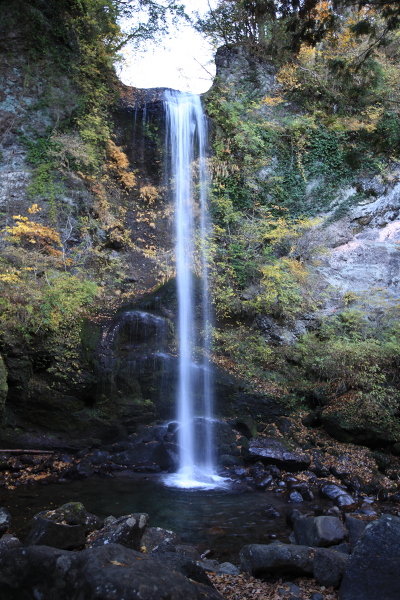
column 85, row 228
column 311, row 256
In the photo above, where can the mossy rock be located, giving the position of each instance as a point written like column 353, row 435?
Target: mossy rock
column 349, row 420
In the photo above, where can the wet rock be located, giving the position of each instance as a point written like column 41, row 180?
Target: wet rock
column 275, row 452
column 99, row 457
column 329, row 567
column 320, row 532
column 234, row 450
column 240, row 472
column 333, row 511
column 228, row 568
column 80, row 471
column 156, row 539
column 146, row 453
column 246, row 426
column 344, row 500
column 259, row 559
column 264, row 482
column 295, row 497
column 292, row 516
column 127, row 531
column 106, row 572
column 372, row 570
column 64, row 528
column 8, row 541
column 223, row 434
column 5, row 520
column 307, row 494
column 270, row 512
column 226, row 460
column 338, row 494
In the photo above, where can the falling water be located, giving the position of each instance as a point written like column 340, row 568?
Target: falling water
column 186, row 141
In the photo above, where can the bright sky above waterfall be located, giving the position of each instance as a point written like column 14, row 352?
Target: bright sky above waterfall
column 182, row 61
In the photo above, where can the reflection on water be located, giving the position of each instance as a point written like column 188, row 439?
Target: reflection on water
column 219, row 520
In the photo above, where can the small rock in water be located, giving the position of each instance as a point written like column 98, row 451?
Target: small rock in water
column 295, row 497
column 292, row 516
column 270, row 512
column 264, row 482
column 307, row 495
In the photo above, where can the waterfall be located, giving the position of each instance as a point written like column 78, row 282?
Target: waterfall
column 186, row 139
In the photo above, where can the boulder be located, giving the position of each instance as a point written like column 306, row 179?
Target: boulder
column 272, row 451
column 227, row 460
column 146, row 453
column 187, row 566
column 261, row 559
column 246, row 426
column 329, row 567
column 5, row 520
column 186, row 550
column 100, row 457
column 108, row 573
column 8, row 541
column 64, row 528
column 355, row 526
column 127, row 531
column 156, row 539
column 320, row 532
column 338, row 494
column 372, row 570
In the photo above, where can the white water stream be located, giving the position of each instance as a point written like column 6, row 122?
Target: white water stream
column 187, row 170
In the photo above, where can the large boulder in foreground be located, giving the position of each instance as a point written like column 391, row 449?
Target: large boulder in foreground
column 109, row 572
column 329, row 567
column 64, row 528
column 272, row 451
column 372, row 570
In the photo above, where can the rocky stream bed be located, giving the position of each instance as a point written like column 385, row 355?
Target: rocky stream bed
column 317, row 520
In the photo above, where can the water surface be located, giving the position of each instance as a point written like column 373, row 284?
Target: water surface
column 219, row 520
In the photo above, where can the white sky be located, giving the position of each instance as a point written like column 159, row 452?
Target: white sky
column 173, row 62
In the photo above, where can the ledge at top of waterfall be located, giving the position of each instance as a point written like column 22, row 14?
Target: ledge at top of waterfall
column 187, row 178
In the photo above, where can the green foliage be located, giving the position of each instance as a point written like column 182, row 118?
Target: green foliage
column 256, row 267
column 39, row 300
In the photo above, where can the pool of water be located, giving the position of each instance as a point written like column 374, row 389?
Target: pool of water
column 218, row 520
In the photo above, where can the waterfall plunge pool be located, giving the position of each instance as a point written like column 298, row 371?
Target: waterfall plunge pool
column 219, row 520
